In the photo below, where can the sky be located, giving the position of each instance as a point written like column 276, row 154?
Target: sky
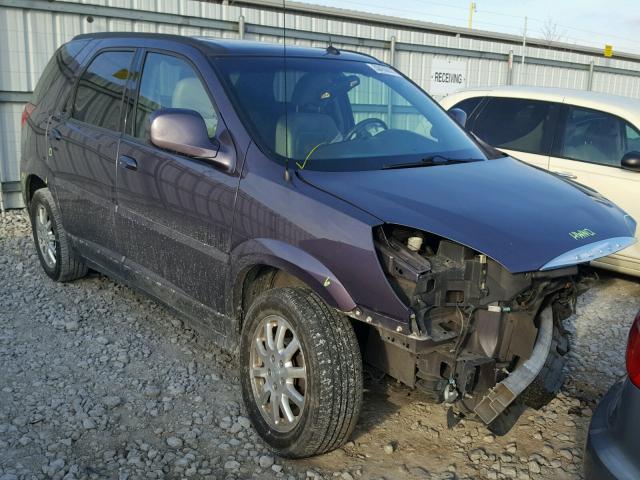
column 584, row 22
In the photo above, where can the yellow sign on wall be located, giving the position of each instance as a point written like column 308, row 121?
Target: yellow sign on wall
column 608, row 51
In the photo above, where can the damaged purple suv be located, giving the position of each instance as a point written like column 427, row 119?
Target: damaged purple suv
column 310, row 209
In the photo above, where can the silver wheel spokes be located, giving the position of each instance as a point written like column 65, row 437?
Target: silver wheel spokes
column 278, row 373
column 46, row 237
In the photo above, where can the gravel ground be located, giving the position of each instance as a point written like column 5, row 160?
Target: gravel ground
column 97, row 381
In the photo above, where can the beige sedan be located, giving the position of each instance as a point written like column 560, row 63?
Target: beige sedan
column 589, row 137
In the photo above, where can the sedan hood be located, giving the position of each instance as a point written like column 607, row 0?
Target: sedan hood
column 522, row 217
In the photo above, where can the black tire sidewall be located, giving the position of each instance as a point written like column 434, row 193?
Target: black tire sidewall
column 39, row 198
column 549, row 381
column 262, row 307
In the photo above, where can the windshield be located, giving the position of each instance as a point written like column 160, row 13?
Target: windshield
column 331, row 114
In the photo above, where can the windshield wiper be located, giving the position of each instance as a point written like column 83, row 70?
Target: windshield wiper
column 431, row 161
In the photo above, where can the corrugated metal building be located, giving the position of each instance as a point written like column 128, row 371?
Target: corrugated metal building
column 31, row 30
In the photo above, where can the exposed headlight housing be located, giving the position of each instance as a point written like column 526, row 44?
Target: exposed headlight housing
column 589, row 252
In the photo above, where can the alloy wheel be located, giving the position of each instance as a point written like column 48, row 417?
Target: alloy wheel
column 47, row 242
column 278, row 373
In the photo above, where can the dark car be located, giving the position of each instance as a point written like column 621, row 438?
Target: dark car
column 612, row 451
column 308, row 209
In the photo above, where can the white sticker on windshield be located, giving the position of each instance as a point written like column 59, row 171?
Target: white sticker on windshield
column 383, row 69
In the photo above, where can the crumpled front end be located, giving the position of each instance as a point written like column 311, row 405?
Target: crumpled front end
column 488, row 258
column 481, row 336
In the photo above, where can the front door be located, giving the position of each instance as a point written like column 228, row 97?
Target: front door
column 589, row 151
column 174, row 213
column 83, row 150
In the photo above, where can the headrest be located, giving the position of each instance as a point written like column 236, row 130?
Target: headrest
column 314, row 90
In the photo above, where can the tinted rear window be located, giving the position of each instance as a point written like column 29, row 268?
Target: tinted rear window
column 99, row 95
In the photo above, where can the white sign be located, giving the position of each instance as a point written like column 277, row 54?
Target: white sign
column 447, row 76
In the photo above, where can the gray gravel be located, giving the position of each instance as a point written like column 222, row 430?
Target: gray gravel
column 97, row 381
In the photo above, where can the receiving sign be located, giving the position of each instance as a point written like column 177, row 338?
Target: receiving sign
column 447, row 76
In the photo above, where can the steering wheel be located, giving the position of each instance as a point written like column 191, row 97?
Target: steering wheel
column 361, row 129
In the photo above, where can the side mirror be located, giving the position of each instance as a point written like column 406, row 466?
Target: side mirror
column 184, row 131
column 459, row 115
column 631, row 161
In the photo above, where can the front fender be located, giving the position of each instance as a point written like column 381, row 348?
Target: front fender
column 293, row 260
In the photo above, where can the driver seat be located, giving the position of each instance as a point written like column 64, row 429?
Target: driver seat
column 307, row 126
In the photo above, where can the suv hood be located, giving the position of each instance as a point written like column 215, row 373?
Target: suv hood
column 524, row 218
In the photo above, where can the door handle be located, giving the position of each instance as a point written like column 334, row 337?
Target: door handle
column 565, row 174
column 127, row 162
column 55, row 133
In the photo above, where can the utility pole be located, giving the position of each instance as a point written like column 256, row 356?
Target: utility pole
column 472, row 10
column 524, row 46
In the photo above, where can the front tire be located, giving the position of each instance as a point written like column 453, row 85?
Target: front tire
column 301, row 372
column 549, row 381
column 57, row 258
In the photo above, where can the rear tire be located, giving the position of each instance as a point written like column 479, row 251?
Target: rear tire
column 328, row 395
column 57, row 258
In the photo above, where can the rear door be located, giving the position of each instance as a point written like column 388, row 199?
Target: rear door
column 84, row 146
column 519, row 127
column 589, row 150
column 174, row 213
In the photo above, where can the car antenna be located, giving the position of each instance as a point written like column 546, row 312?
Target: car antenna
column 331, row 50
column 287, row 175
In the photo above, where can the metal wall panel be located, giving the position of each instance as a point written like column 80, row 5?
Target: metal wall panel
column 30, row 31
column 10, row 114
column 617, row 84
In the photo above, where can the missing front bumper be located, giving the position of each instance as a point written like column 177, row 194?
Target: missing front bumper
column 505, row 392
